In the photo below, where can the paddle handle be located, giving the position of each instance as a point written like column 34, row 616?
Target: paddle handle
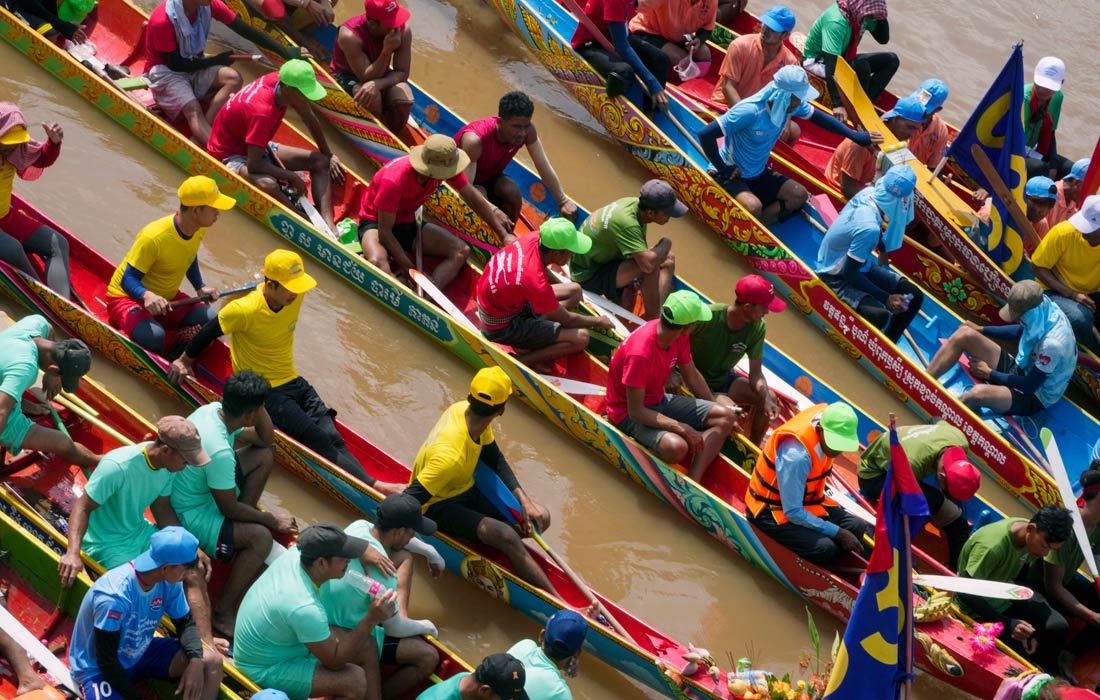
column 93, row 420
column 1002, row 191
column 209, row 297
column 246, row 56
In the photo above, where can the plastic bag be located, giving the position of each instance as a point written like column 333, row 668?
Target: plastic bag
column 687, row 68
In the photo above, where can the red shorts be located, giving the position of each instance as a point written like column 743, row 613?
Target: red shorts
column 125, row 313
column 18, row 224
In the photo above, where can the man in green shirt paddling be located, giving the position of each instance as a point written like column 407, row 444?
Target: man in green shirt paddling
column 554, row 656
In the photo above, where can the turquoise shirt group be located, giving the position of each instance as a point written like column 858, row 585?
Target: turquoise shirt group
column 191, row 493
column 19, row 372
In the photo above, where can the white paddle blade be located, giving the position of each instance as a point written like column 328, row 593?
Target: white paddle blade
column 612, row 308
column 315, row 217
column 849, row 504
column 573, row 386
column 1069, row 499
column 442, row 300
column 975, row 586
column 36, row 649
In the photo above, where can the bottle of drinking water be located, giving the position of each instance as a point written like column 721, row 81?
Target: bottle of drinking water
column 908, row 298
column 363, row 583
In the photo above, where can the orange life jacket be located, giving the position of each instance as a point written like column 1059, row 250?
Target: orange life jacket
column 764, row 486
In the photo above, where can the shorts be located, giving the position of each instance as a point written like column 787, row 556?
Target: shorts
column 387, row 650
column 173, row 90
column 293, row 676
column 394, row 95
column 154, row 663
column 527, row 331
column 1022, row 404
column 684, row 409
column 883, row 277
column 236, row 163
column 16, row 429
column 125, row 313
column 765, row 186
column 603, row 279
column 658, row 40
column 404, row 233
column 226, row 546
column 460, row 515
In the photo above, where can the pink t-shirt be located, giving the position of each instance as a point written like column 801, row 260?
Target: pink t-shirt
column 643, row 364
column 250, row 118
column 396, row 188
column 601, row 12
column 160, row 35
column 515, row 276
column 495, row 156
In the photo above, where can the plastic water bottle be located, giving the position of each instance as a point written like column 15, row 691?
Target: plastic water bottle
column 908, row 298
column 363, row 583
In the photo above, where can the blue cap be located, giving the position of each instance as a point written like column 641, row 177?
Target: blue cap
column 171, row 546
column 778, row 19
column 1079, row 170
column 899, row 181
column 270, row 694
column 793, row 79
column 565, row 632
column 907, row 108
column 932, row 93
column 1041, row 186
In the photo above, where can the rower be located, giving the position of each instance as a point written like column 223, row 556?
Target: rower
column 937, row 454
column 388, row 226
column 929, row 143
column 672, row 425
column 553, row 657
column 750, row 129
column 113, row 642
column 372, row 59
column 218, row 503
column 308, row 23
column 1040, row 196
column 147, row 281
column 1070, row 189
column 443, row 477
column 1032, row 380
column 497, row 677
column 786, row 496
column 261, row 328
column 242, row 132
column 518, row 306
column 1067, row 264
column 678, row 28
column 50, row 18
column 852, row 166
column 493, row 142
column 998, row 552
column 620, row 256
column 1042, row 108
column 25, row 348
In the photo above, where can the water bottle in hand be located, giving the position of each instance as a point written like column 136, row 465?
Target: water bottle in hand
column 363, row 583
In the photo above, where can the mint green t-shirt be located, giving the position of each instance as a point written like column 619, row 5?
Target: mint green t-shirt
column 124, row 484
column 831, row 33
column 922, row 444
column 444, row 690
column 991, row 554
column 616, row 234
column 191, row 492
column 19, row 372
column 544, row 681
column 716, row 349
column 1069, row 557
column 345, row 604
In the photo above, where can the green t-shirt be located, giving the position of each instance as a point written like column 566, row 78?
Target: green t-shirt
column 922, row 443
column 1054, row 109
column 345, row 604
column 991, row 554
column 444, row 690
column 544, row 681
column 831, row 33
column 124, row 484
column 191, row 497
column 616, row 234
column 716, row 349
column 19, row 372
column 1068, row 556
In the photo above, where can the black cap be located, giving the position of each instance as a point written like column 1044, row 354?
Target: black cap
column 74, row 360
column 327, row 540
column 505, row 674
column 403, row 510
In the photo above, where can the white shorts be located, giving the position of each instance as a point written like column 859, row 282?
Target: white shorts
column 172, row 90
column 235, row 163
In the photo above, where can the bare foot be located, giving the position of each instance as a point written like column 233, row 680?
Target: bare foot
column 26, row 685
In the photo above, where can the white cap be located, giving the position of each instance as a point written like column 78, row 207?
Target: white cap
column 1087, row 219
column 1050, row 73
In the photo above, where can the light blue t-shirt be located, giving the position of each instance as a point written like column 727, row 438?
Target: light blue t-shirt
column 18, row 372
column 1056, row 355
column 750, row 135
column 792, row 466
column 854, row 234
column 444, row 690
column 117, row 602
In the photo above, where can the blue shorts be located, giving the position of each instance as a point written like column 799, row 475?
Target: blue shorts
column 154, row 663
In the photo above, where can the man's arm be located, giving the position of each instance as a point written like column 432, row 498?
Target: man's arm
column 708, row 139
column 1056, row 592
column 176, row 62
column 386, row 221
column 181, row 366
column 262, row 434
column 729, row 90
column 305, row 111
column 333, row 653
column 106, row 657
column 497, row 219
column 881, row 31
column 757, row 379
column 471, row 143
column 194, row 275
column 163, row 512
column 620, row 39
column 853, row 274
column 649, row 260
column 569, row 319
column 1050, row 278
column 261, row 39
column 71, row 564
column 830, row 123
column 695, row 382
column 7, row 405
column 549, row 177
column 232, row 509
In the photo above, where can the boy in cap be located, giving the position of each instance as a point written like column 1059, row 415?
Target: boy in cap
column 929, row 143
column 517, row 305
column 620, row 257
column 1067, row 265
column 242, row 133
column 554, row 656
column 1033, row 379
column 670, row 425
column 1040, row 196
column 852, row 166
column 372, row 58
column 443, row 477
column 497, row 677
column 113, row 641
column 283, row 638
column 147, row 281
column 388, row 226
column 1042, row 109
column 786, row 495
column 1070, row 189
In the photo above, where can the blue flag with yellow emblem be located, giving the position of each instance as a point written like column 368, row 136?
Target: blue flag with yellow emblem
column 875, row 658
column 997, row 126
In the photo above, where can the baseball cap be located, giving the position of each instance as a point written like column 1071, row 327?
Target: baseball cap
column 907, row 108
column 1041, row 186
column 403, row 510
column 504, row 674
column 840, row 426
column 171, row 546
column 298, row 74
column 684, row 308
column 491, row 385
column 327, row 540
column 1023, row 297
column 793, row 79
column 932, row 93
column 1087, row 219
column 285, row 267
column 15, row 136
column 560, row 234
column 659, row 195
column 439, row 157
column 565, row 633
column 778, row 19
column 386, row 12
column 1050, row 73
column 182, row 436
column 963, row 478
column 1079, row 170
column 270, row 694
column 201, row 191
column 899, row 181
column 73, row 359
column 754, row 289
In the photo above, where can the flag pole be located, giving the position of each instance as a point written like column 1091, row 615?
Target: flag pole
column 908, row 588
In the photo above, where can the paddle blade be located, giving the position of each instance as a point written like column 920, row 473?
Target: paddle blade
column 975, row 586
column 490, row 485
column 1069, row 499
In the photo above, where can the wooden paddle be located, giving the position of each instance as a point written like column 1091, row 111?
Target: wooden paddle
column 1001, row 190
column 1069, row 500
column 208, row 297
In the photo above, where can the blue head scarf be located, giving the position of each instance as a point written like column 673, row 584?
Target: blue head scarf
column 893, row 193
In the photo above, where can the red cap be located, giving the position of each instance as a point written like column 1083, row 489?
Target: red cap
column 962, row 477
column 386, row 12
column 754, row 289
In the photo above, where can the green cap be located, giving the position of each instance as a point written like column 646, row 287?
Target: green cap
column 560, row 234
column 299, row 74
column 841, row 427
column 684, row 308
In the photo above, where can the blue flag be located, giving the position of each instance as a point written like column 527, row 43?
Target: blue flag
column 997, row 127
column 875, row 658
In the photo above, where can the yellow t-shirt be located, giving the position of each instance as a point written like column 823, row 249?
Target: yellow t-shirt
column 446, row 461
column 7, row 182
column 162, row 255
column 1065, row 251
column 260, row 339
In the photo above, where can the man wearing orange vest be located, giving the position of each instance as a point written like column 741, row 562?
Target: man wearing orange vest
column 786, row 497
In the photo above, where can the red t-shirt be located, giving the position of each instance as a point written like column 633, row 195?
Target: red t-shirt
column 641, row 363
column 160, row 34
column 371, row 47
column 515, row 276
column 495, row 156
column 601, row 12
column 250, row 118
column 396, row 188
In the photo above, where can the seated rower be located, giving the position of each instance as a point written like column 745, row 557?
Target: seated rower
column 1042, row 108
column 1070, row 193
column 372, row 59
column 518, row 306
column 1067, row 265
column 678, row 28
column 852, row 166
column 492, row 143
column 306, row 22
column 147, row 281
column 242, row 131
column 750, row 129
column 874, row 220
column 671, row 425
column 554, row 656
column 1040, row 196
column 786, row 495
column 497, row 677
column 443, row 477
column 1033, row 379
column 636, row 57
column 998, row 552
column 51, row 18
column 929, row 143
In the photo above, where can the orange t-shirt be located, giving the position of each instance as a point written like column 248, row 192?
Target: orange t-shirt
column 853, row 160
column 1062, row 209
column 672, row 19
column 930, row 143
column 744, row 64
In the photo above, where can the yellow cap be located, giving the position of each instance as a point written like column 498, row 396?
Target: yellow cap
column 491, row 385
column 285, row 267
column 15, row 136
column 201, row 191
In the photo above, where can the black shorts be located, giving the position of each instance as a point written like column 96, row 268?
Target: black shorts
column 226, row 545
column 1022, row 404
column 657, row 40
column 527, row 332
column 460, row 515
column 404, row 233
column 347, row 80
column 602, row 281
column 388, row 653
column 765, row 186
